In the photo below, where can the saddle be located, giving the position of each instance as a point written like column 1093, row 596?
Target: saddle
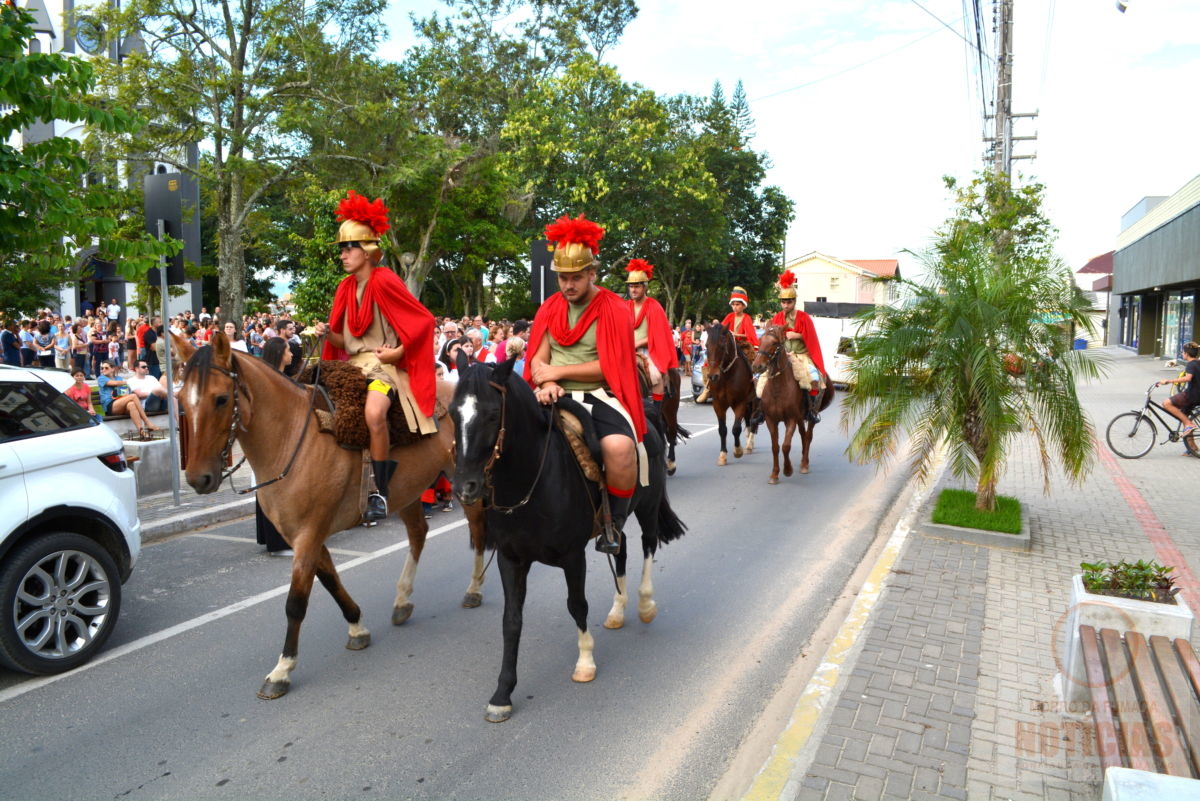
column 341, row 398
column 575, row 423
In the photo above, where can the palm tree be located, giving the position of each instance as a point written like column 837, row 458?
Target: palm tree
column 978, row 350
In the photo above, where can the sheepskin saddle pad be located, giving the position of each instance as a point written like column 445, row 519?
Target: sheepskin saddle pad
column 346, row 389
column 575, row 423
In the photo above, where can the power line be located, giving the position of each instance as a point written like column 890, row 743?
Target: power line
column 847, row 69
column 947, row 26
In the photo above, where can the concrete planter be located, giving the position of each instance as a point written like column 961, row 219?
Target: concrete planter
column 1108, row 612
column 993, row 539
column 153, row 466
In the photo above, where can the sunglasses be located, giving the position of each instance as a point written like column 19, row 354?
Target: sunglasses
column 344, row 246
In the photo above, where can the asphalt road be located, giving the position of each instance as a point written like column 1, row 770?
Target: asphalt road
column 169, row 710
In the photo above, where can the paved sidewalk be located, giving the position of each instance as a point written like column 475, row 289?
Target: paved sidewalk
column 951, row 695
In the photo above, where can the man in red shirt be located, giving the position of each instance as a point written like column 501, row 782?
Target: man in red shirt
column 741, row 325
column 379, row 326
column 652, row 336
column 582, row 344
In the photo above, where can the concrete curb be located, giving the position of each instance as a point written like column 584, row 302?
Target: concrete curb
column 188, row 519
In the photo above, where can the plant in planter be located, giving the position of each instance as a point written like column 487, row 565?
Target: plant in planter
column 1126, row 596
column 1141, row 580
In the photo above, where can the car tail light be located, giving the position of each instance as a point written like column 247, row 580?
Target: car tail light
column 115, row 461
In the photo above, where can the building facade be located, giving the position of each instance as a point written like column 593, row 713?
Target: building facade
column 1156, row 274
column 826, row 279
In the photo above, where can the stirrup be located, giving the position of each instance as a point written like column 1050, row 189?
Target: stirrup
column 376, row 508
column 609, row 540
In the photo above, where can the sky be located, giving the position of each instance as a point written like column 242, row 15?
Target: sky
column 863, row 106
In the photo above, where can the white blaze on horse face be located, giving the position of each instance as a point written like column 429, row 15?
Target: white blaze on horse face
column 466, row 416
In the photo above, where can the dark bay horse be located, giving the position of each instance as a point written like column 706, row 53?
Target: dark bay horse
column 670, row 417
column 541, row 508
column 783, row 401
column 228, row 395
column 730, row 386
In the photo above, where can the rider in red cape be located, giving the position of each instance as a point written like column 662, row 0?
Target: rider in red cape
column 406, row 315
column 652, row 332
column 737, row 321
column 800, row 341
column 379, row 326
column 582, row 344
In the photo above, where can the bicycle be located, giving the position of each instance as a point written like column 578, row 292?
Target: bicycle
column 1131, row 435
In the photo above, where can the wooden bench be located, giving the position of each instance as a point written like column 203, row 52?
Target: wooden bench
column 1152, row 687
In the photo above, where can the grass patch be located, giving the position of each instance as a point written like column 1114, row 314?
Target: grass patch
column 957, row 508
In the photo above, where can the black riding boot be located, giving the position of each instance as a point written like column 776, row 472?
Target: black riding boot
column 377, row 501
column 609, row 541
column 811, row 414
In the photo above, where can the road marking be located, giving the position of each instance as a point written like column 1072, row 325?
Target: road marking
column 775, row 779
column 196, row 622
column 247, row 540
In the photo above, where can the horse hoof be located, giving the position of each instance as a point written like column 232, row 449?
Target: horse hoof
column 614, row 622
column 401, row 613
column 358, row 642
column 671, row 468
column 647, row 615
column 737, row 452
column 498, row 714
column 787, row 471
column 470, row 601
column 773, row 480
column 721, row 459
column 583, row 674
column 274, row 689
column 804, row 471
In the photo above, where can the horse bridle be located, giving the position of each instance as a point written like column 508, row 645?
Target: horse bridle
column 498, row 450
column 235, row 422
column 773, row 360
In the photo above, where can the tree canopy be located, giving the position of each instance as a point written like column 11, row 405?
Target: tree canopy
column 51, row 205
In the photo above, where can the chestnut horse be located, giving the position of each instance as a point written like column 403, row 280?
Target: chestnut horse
column 730, row 386
column 311, row 486
column 784, row 402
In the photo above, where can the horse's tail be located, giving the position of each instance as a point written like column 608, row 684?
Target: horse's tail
column 681, row 432
column 670, row 527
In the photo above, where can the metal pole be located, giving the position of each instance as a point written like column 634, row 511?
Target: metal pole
column 172, row 406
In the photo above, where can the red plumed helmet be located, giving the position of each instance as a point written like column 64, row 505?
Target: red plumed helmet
column 640, row 272
column 358, row 209
column 582, row 231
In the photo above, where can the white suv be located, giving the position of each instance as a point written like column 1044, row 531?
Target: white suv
column 69, row 529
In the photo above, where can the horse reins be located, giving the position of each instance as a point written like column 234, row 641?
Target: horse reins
column 235, row 422
column 498, row 449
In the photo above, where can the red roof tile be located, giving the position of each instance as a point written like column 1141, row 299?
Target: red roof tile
column 877, row 266
column 1102, row 264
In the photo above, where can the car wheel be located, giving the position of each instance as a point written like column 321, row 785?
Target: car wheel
column 61, row 596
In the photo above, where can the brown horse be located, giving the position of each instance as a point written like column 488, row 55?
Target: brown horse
column 228, row 395
column 672, row 431
column 730, row 386
column 783, row 401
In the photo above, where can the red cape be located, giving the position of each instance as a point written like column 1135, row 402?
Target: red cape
column 412, row 322
column 614, row 342
column 747, row 330
column 805, row 328
column 658, row 329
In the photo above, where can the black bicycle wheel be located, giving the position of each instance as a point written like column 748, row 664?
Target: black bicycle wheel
column 1192, row 441
column 1131, row 435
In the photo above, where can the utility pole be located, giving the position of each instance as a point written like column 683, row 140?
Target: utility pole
column 1002, row 139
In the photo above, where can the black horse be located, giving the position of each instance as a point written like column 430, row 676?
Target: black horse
column 541, row 508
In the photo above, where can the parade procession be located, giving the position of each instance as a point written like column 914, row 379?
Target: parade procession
column 578, row 400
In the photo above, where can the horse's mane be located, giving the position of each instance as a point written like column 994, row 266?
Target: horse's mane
column 201, row 363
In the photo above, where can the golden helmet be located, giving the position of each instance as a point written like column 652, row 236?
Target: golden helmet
column 640, row 272
column 787, row 285
column 576, row 243
column 363, row 222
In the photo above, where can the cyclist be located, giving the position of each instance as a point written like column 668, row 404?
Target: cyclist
column 1181, row 404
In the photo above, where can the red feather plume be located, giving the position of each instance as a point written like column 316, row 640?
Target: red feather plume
column 787, row 279
column 358, row 208
column 636, row 265
column 565, row 231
